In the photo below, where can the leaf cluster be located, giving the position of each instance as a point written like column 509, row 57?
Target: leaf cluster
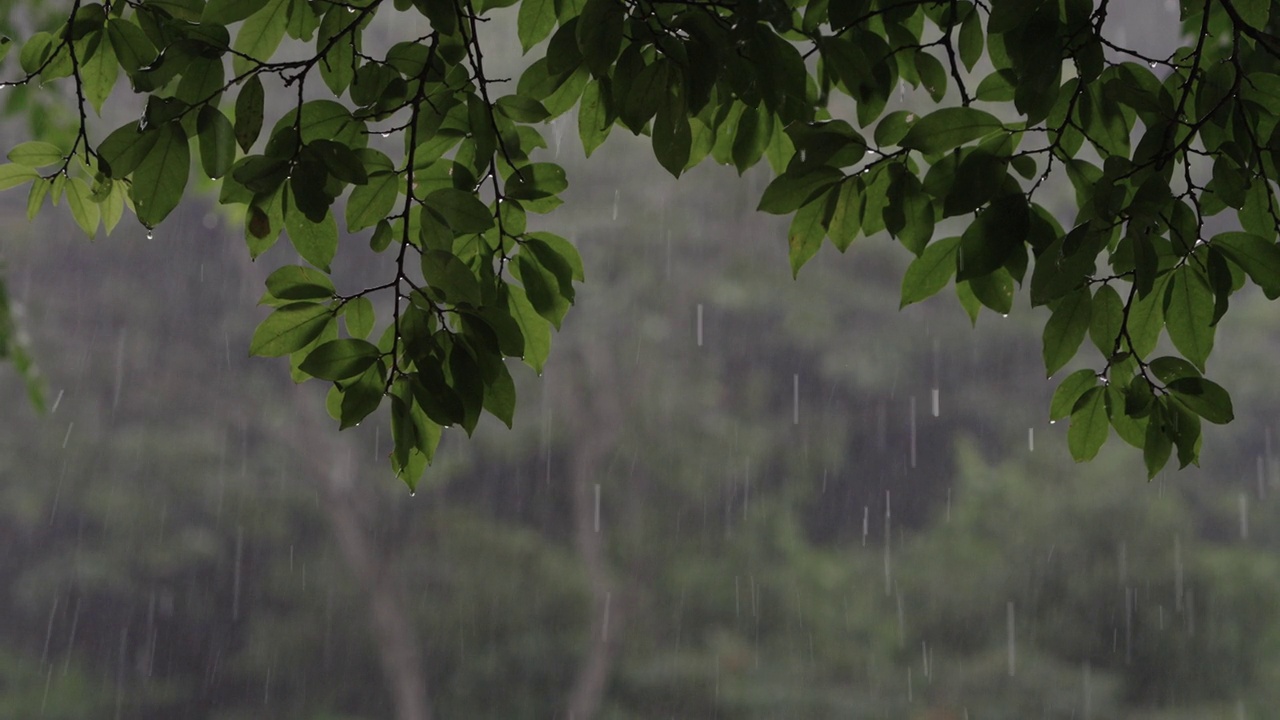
column 1023, row 92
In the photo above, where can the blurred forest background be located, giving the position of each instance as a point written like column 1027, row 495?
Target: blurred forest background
column 730, row 495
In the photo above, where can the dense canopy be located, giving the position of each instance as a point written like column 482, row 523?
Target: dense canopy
column 1166, row 161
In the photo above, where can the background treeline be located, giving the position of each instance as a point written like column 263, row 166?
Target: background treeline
column 730, row 495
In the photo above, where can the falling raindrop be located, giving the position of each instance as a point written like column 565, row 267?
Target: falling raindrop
column 912, row 413
column 699, row 324
column 67, row 437
column 235, row 583
column 604, row 627
column 1088, row 690
column 1177, row 573
column 795, row 399
column 1013, row 646
column 1244, row 516
column 597, row 526
column 1031, row 439
column 616, row 195
column 934, row 403
column 888, row 545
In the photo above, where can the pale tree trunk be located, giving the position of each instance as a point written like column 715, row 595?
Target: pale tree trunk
column 596, row 414
column 352, row 510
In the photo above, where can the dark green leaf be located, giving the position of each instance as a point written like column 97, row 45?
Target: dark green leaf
column 358, row 315
column 1066, row 329
column 372, row 202
column 535, row 21
column 462, row 210
column 790, row 190
column 225, row 12
column 161, row 176
column 340, row 359
column 930, row 272
column 1203, row 397
column 249, row 107
column 1089, row 425
column 316, row 242
column 805, row 234
column 217, row 142
column 260, row 35
column 451, row 277
column 1256, row 256
column 1069, row 392
column 295, row 282
column 362, row 397
column 948, row 128
column 1189, row 315
column 1107, row 320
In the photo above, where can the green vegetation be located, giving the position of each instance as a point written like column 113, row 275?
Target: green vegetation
column 1171, row 156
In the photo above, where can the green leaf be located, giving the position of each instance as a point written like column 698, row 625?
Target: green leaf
column 971, row 40
column 289, row 328
column 1066, row 329
column 36, row 154
column 13, row 175
column 84, row 210
column 1132, row 430
column 451, row 277
column 260, row 35
column 249, row 108
column 948, row 128
column 535, row 181
column 225, row 12
column 1089, row 425
column 1203, row 397
column 1189, row 315
column 521, row 109
column 594, row 119
column 217, row 142
column 1146, row 318
column 563, row 249
column 316, row 242
column 500, row 395
column 373, row 201
column 161, row 177
column 362, row 397
column 340, row 359
column 1157, row 448
column 462, row 210
column 804, row 237
column 1107, row 320
column 1069, row 391
column 98, row 75
column 535, row 329
column 991, row 239
column 133, row 49
column 1254, row 13
column 535, row 21
column 846, row 217
column 929, row 273
column 295, row 282
column 358, row 314
column 1253, row 254
column 600, row 34
column 790, row 190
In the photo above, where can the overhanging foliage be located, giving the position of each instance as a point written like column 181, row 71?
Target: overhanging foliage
column 1025, row 91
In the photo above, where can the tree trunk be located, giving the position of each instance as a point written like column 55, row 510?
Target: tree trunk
column 389, row 620
column 352, row 510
